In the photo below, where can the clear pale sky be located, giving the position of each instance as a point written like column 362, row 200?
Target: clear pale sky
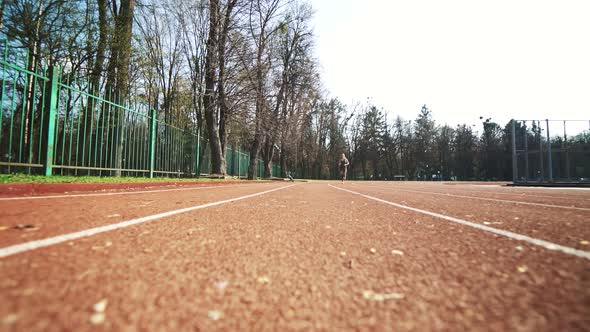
column 527, row 59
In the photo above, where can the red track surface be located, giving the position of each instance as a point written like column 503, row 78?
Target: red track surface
column 306, row 257
column 31, row 189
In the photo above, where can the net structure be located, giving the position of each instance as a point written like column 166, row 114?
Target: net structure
column 550, row 151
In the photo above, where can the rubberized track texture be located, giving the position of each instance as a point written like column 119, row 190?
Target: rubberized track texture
column 325, row 256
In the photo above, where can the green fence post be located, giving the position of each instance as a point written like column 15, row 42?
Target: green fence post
column 152, row 141
column 49, row 123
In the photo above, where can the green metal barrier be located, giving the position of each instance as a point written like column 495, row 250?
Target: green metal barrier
column 237, row 161
column 50, row 123
column 22, row 112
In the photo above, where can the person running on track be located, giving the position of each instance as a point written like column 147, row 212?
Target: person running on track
column 343, row 165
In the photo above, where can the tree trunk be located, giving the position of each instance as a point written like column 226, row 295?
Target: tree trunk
column 123, row 34
column 217, row 158
column 223, row 109
column 255, row 149
column 117, row 87
column 97, row 68
column 283, row 161
column 32, row 67
column 267, row 157
column 29, row 102
column 258, row 134
column 2, row 7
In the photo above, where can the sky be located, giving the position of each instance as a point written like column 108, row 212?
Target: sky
column 500, row 59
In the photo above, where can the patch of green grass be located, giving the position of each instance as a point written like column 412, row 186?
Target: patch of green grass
column 24, row 178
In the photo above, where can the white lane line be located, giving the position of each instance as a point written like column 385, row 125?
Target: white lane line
column 119, row 193
column 515, row 236
column 493, row 191
column 516, row 191
column 32, row 245
column 552, row 188
column 486, row 199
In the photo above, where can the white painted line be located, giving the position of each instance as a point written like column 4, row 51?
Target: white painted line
column 23, row 247
column 119, row 193
column 552, row 188
column 516, row 192
column 515, row 236
column 486, row 199
column 502, row 191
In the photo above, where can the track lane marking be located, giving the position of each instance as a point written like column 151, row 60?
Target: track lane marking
column 486, row 199
column 507, row 190
column 32, row 245
column 521, row 191
column 464, row 190
column 571, row 191
column 120, row 193
column 515, row 236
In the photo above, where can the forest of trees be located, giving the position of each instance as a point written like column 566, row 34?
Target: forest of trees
column 243, row 73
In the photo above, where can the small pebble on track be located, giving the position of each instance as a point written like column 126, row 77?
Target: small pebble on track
column 263, row 279
column 100, row 306
column 221, row 286
column 215, row 314
column 349, row 264
column 97, row 318
column 9, row 319
column 380, row 297
column 26, row 227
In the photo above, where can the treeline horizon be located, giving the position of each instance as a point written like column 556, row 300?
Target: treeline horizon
column 243, row 73
column 380, row 147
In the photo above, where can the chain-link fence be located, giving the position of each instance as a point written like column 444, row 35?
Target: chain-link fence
column 550, row 151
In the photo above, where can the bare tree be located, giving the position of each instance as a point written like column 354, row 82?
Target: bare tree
column 262, row 26
column 97, row 64
column 192, row 18
column 291, row 48
column 118, row 68
column 214, row 101
column 161, row 42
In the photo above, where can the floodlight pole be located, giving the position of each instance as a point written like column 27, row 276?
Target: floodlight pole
column 541, row 163
column 514, row 166
column 549, row 162
column 526, row 154
column 567, row 155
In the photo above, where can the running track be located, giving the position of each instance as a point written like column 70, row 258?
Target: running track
column 311, row 256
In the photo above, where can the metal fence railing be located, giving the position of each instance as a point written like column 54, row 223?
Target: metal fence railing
column 20, row 116
column 549, row 151
column 51, row 123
